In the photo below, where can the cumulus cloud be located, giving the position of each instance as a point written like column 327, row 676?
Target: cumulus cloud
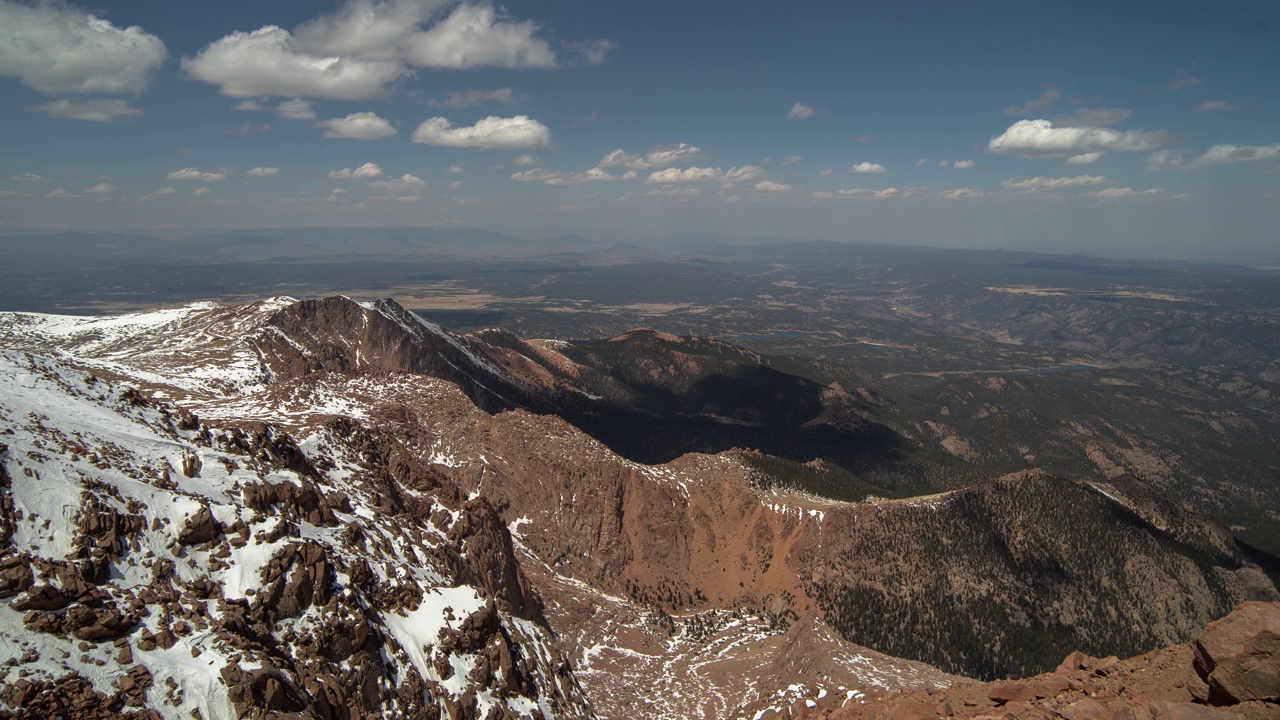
column 962, row 164
column 454, row 169
column 868, row 167
column 921, row 162
column 1182, row 79
column 1092, row 117
column 366, row 171
column 404, row 184
column 826, row 172
column 687, row 175
column 1215, row 106
column 296, row 109
column 249, row 106
column 100, row 189
column 357, row 126
column 1041, row 103
column 1084, row 158
column 195, row 174
column 1046, row 183
column 594, row 52
column 790, row 160
column 961, row 194
column 263, row 172
column 60, row 50
column 657, row 156
column 270, row 62
column 201, row 191
column 467, row 98
column 746, row 173
column 31, row 177
column 514, row 133
column 1040, row 139
column 861, row 194
column 363, row 49
column 801, row 111
column 474, row 36
column 770, row 186
column 552, row 177
column 1238, row 153
column 1162, row 160
column 1124, row 192
column 525, row 160
column 93, row 109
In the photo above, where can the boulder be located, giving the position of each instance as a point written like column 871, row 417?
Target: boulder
column 1239, row 655
column 200, row 528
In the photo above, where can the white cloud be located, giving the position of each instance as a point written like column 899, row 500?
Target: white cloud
column 455, row 185
column 474, row 36
column 269, row 62
column 374, row 29
column 552, row 177
column 630, row 175
column 31, row 177
column 962, row 164
column 201, row 191
column 826, row 172
column 1183, row 78
column 961, row 194
column 360, row 51
column 1162, row 160
column 801, row 111
column 861, row 194
column 165, row 191
column 357, row 126
column 263, row 172
column 60, row 193
column 790, row 160
column 1084, row 158
column 676, row 175
column 93, row 109
column 868, row 167
column 195, row 174
column 770, row 186
column 1124, row 192
column 515, row 133
column 403, row 184
column 101, row 189
column 366, row 171
column 746, row 173
column 1043, row 102
column 594, row 52
column 657, row 156
column 944, row 163
column 921, row 161
column 59, row 50
column 1092, row 117
column 1045, row 183
column 1040, row 139
column 296, row 109
column 249, row 106
column 454, row 169
column 525, row 160
column 1238, row 153
column 467, row 98
column 1215, row 106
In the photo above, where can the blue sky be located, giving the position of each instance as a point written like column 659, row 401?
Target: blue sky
column 1147, row 128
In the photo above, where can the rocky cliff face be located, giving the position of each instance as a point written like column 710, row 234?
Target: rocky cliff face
column 330, row 508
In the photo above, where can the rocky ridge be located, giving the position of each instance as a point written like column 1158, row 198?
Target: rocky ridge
column 355, row 467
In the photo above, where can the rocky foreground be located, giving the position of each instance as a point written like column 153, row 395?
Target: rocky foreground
column 1232, row 672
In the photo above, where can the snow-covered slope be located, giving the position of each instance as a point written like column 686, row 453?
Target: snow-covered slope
column 166, row 563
